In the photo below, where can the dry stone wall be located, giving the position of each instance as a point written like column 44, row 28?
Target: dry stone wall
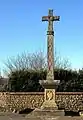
column 70, row 101
column 10, row 101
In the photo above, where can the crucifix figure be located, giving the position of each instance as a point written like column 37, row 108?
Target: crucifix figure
column 50, row 44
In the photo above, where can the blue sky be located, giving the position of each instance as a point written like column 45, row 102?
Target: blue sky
column 21, row 28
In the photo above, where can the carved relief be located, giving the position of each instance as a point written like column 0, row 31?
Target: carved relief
column 49, row 95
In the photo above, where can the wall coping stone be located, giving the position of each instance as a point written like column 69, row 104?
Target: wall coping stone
column 40, row 93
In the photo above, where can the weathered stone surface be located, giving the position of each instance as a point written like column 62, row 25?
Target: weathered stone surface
column 21, row 100
column 48, row 113
column 70, row 101
column 49, row 84
column 49, row 99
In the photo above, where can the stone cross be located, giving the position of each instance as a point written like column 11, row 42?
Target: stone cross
column 50, row 84
column 50, row 44
column 49, row 108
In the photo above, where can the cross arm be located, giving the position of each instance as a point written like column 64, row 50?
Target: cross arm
column 45, row 18
column 51, row 18
column 56, row 18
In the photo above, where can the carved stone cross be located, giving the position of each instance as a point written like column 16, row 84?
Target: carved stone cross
column 50, row 84
column 50, row 43
column 49, row 108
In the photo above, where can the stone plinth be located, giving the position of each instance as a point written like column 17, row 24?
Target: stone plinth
column 50, row 113
column 49, row 99
column 49, row 84
column 49, row 108
column 49, row 93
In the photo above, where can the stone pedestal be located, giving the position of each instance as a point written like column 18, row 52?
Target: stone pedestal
column 44, row 113
column 49, row 108
column 49, row 93
column 49, row 99
column 49, row 105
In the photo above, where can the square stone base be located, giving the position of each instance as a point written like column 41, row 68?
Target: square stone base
column 47, row 112
column 49, row 105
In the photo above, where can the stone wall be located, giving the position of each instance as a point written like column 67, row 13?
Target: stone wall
column 72, row 101
column 10, row 101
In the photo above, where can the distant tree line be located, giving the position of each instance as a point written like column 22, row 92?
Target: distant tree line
column 25, row 71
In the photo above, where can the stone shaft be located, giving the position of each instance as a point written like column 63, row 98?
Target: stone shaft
column 50, row 44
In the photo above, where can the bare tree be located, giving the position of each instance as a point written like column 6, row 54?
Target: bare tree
column 34, row 61
column 60, row 63
column 37, row 61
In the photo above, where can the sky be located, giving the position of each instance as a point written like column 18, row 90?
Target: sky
column 22, row 29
